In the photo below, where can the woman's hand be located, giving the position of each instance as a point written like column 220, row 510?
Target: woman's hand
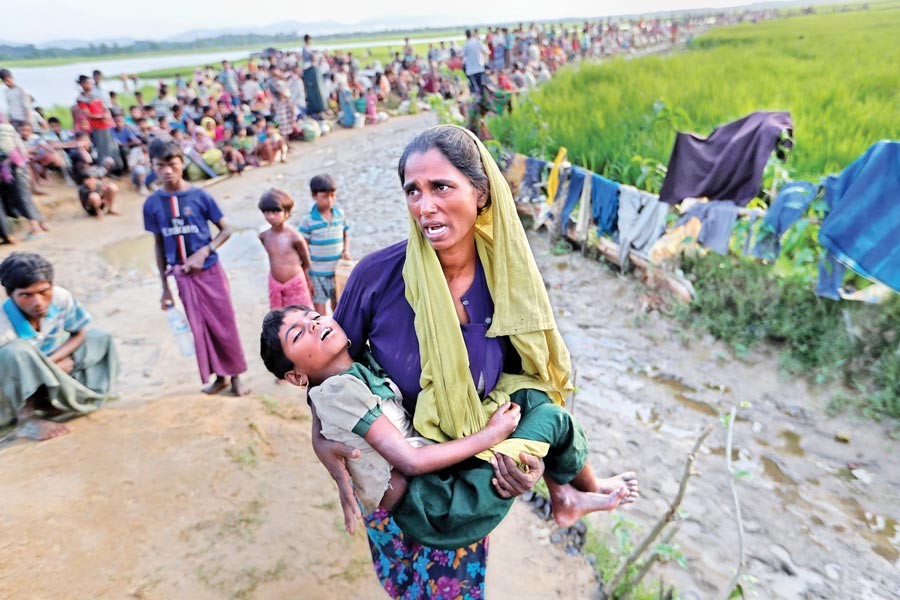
column 504, row 421
column 509, row 480
column 334, row 456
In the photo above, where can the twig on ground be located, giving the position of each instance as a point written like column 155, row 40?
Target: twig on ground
column 610, row 587
column 737, row 506
column 645, row 568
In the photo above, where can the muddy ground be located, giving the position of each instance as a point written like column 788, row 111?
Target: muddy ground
column 166, row 493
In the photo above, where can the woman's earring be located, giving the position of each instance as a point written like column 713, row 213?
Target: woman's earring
column 349, row 343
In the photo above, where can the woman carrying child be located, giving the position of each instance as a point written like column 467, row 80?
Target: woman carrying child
column 459, row 319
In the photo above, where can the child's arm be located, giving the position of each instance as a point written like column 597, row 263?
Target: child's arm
column 302, row 251
column 390, row 443
column 346, row 253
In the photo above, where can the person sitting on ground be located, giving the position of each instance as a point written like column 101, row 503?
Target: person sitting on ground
column 245, row 143
column 126, row 137
column 163, row 102
column 135, row 115
column 289, row 262
column 360, row 406
column 142, row 174
column 97, row 196
column 41, row 155
column 50, row 363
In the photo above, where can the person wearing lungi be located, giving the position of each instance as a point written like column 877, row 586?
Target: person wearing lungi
column 178, row 215
column 51, row 365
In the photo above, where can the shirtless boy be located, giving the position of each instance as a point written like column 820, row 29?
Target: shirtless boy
column 288, row 253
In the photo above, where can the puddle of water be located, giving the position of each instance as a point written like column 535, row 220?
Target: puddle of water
column 697, row 405
column 775, row 471
column 131, row 256
column 667, row 380
column 720, row 451
column 136, row 255
column 881, row 531
column 792, row 442
column 243, row 248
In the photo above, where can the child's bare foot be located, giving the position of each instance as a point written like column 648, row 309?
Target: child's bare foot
column 40, row 430
column 218, row 384
column 238, row 388
column 628, row 479
column 569, row 504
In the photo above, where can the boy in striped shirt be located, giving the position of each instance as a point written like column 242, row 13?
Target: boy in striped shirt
column 325, row 229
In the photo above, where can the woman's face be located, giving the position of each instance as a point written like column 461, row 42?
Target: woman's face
column 441, row 200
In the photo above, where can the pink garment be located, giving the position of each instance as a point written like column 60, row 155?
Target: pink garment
column 293, row 291
column 207, row 303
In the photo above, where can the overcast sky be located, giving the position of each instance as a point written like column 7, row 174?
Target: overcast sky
column 24, row 22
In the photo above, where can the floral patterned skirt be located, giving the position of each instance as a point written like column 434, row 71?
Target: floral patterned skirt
column 409, row 571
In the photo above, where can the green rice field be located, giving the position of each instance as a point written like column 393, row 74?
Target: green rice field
column 836, row 73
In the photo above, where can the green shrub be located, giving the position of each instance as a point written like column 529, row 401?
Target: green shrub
column 856, row 344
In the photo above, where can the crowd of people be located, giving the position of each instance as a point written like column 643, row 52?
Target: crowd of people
column 499, row 385
column 228, row 117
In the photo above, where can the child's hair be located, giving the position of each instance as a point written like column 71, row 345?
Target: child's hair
column 165, row 149
column 274, row 200
column 270, row 349
column 322, row 183
column 52, row 120
column 23, row 269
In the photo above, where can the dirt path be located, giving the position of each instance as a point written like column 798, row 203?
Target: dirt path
column 168, row 494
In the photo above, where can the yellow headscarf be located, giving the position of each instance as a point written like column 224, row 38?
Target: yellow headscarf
column 448, row 406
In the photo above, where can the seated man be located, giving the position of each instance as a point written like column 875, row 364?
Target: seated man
column 50, row 365
column 42, row 156
column 97, row 195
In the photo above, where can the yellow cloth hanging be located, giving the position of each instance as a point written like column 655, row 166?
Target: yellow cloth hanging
column 553, row 178
column 448, row 407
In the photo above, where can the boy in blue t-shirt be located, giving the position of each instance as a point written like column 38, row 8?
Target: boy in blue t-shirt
column 178, row 215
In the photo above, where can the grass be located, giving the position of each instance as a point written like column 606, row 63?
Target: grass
column 834, row 73
column 852, row 344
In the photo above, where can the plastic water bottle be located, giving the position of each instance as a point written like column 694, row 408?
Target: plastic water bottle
column 181, row 330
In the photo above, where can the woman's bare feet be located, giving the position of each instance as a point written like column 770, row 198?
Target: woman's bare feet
column 40, row 429
column 218, row 384
column 569, row 504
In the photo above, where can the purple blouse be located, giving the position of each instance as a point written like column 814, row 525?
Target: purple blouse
column 373, row 309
